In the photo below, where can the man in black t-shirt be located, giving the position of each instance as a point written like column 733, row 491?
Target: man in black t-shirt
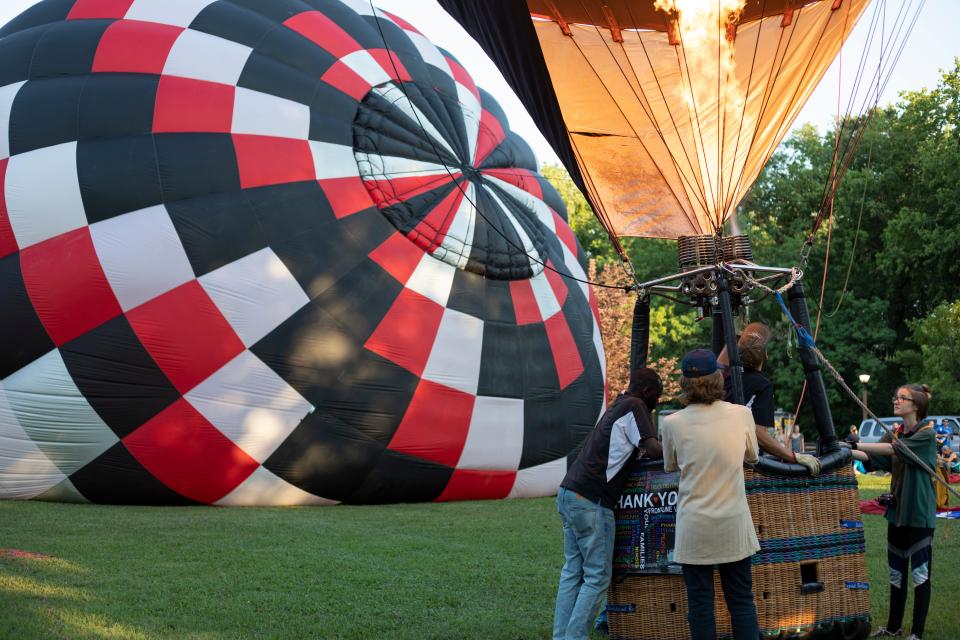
column 758, row 392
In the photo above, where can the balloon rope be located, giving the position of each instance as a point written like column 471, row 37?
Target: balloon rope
column 522, row 250
column 856, row 235
column 806, row 340
column 849, row 143
column 899, row 448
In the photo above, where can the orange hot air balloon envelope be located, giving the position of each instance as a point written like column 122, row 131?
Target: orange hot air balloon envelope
column 670, row 107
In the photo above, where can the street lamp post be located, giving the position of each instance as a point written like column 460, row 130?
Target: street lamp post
column 864, row 379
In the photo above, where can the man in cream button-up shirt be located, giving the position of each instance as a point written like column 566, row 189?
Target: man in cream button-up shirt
column 708, row 441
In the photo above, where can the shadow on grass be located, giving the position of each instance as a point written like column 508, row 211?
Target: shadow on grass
column 462, row 570
column 38, row 601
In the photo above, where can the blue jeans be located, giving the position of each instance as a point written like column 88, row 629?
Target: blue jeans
column 737, row 583
column 588, row 532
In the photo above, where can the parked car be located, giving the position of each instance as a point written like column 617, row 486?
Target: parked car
column 870, row 431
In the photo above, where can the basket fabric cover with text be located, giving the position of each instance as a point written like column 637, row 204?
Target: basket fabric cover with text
column 809, row 577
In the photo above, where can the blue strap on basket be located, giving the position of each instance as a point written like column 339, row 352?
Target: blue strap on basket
column 803, row 336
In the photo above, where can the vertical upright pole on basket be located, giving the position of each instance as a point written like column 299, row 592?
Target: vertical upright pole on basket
column 730, row 337
column 797, row 302
column 718, row 339
column 640, row 335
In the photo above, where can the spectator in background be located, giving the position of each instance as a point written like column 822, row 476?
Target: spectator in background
column 949, row 459
column 797, row 443
column 946, row 463
column 853, row 435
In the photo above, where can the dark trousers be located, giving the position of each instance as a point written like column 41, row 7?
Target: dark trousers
column 737, row 583
column 911, row 546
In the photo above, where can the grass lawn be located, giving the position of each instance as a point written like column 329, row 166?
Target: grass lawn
column 460, row 570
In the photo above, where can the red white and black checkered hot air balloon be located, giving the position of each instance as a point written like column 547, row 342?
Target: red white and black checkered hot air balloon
column 275, row 252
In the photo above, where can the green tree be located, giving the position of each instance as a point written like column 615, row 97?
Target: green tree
column 935, row 359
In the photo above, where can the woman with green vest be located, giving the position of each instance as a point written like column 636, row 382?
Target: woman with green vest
column 912, row 509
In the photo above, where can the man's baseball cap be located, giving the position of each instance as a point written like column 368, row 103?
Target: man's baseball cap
column 697, row 363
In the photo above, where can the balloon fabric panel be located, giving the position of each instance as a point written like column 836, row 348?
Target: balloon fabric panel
column 252, row 254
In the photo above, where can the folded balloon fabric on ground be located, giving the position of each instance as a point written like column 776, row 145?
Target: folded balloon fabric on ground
column 275, row 252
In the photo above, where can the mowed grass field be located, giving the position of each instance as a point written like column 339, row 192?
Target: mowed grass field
column 458, row 570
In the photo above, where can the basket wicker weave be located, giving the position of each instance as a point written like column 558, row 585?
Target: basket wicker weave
column 810, row 535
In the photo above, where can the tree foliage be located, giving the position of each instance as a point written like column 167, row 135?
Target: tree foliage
column 616, row 320
column 887, row 260
column 936, row 356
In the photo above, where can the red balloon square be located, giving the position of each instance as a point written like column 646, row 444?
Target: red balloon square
column 469, row 484
column 185, row 333
column 398, row 256
column 347, row 80
column 346, row 195
column 93, row 9
column 67, row 286
column 566, row 357
column 407, row 331
column 266, row 160
column 525, row 306
column 187, row 105
column 133, row 46
column 8, row 243
column 323, row 32
column 190, row 455
column 435, row 425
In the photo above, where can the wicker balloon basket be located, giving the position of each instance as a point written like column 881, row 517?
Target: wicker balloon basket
column 809, row 578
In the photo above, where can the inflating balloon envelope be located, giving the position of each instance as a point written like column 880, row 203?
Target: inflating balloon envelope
column 275, row 252
column 665, row 112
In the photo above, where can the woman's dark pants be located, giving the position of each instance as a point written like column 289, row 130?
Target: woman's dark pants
column 737, row 583
column 909, row 547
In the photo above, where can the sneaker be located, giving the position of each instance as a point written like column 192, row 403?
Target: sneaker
column 883, row 632
column 914, row 636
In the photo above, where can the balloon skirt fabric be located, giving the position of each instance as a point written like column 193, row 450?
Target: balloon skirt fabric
column 266, row 252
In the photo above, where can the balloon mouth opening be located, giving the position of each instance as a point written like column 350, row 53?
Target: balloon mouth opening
column 417, row 166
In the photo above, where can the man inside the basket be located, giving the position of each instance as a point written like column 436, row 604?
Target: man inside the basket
column 758, row 392
column 708, row 441
column 586, row 498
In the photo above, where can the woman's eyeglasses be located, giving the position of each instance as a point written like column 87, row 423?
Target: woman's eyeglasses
column 901, row 399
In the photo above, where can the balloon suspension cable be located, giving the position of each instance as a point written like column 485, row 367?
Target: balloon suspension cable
column 856, row 235
column 846, row 145
column 804, row 338
column 627, row 265
column 850, row 130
